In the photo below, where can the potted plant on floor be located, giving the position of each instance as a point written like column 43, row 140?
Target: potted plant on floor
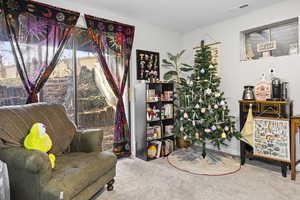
column 177, row 74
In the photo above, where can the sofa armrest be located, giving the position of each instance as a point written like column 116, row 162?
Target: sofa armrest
column 29, row 160
column 87, row 141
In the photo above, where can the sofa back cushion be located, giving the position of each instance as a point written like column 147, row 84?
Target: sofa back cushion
column 16, row 121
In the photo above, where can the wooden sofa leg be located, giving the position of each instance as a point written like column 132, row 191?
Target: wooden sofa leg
column 110, row 185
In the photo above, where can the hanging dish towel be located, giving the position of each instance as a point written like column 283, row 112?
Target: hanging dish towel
column 4, row 182
column 247, row 131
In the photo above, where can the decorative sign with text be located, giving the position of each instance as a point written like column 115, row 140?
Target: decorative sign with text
column 267, row 46
column 272, row 138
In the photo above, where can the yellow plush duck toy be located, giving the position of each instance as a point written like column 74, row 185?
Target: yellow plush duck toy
column 38, row 139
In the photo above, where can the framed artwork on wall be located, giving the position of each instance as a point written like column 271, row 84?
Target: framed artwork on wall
column 272, row 138
column 147, row 63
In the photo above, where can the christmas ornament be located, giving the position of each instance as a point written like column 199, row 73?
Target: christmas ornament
column 226, row 128
column 213, row 128
column 207, row 130
column 223, row 135
column 194, row 123
column 216, row 106
column 197, row 135
column 222, row 103
column 185, row 115
column 197, row 106
column 185, row 137
column 211, row 66
column 181, row 128
column 217, row 94
column 203, row 110
column 208, row 91
column 202, row 71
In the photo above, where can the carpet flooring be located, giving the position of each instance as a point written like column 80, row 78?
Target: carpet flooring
column 157, row 180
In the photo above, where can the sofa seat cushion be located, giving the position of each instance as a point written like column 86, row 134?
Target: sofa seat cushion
column 76, row 171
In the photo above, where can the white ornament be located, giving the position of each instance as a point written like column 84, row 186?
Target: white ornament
column 185, row 137
column 226, row 128
column 202, row 71
column 181, row 118
column 213, row 128
column 207, row 130
column 194, row 123
column 181, row 129
column 217, row 94
column 197, row 135
column 197, row 106
column 216, row 106
column 211, row 66
column 185, row 115
column 203, row 110
column 208, row 91
column 222, row 103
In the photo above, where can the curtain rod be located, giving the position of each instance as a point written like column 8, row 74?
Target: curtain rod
column 208, row 45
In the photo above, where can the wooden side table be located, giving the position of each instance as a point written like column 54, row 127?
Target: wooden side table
column 295, row 123
column 269, row 109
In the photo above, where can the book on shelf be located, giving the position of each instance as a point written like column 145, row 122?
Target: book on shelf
column 167, row 96
column 158, row 145
column 169, row 130
column 153, row 132
column 158, row 148
column 167, row 147
column 167, row 111
column 151, row 96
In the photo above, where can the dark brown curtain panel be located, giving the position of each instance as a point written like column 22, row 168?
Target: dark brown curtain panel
column 38, row 34
column 113, row 43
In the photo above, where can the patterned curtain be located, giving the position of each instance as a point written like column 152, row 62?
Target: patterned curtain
column 113, row 43
column 38, row 34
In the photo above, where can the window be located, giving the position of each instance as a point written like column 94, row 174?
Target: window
column 80, row 85
column 59, row 88
column 95, row 99
column 12, row 91
column 77, row 82
column 278, row 39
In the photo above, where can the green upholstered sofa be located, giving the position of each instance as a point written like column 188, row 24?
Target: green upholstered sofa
column 81, row 170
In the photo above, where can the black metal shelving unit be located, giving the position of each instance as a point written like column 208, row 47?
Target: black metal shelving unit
column 161, row 121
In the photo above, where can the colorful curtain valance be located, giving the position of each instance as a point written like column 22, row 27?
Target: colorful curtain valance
column 113, row 43
column 38, row 34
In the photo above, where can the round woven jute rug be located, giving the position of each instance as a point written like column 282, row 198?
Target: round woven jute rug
column 214, row 164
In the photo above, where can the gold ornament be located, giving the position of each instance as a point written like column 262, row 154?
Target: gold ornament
column 224, row 135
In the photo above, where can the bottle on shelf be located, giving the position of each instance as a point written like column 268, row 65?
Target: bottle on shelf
column 262, row 89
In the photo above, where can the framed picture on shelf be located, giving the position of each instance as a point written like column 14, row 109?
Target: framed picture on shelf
column 147, row 63
column 272, row 138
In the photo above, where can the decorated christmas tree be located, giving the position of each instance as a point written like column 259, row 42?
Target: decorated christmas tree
column 204, row 115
